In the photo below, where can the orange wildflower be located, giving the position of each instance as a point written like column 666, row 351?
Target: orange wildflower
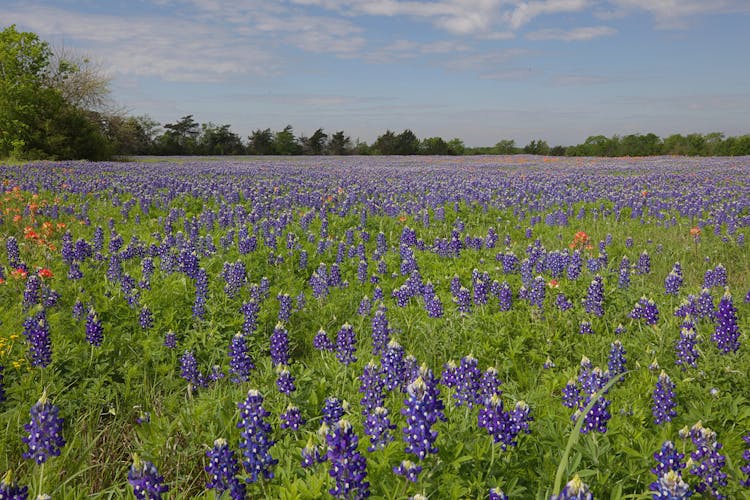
column 45, row 273
column 695, row 231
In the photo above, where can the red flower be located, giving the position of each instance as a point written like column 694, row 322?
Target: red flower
column 45, row 273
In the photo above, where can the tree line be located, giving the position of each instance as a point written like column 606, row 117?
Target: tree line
column 56, row 105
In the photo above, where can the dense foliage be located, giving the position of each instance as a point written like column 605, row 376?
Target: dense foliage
column 454, row 328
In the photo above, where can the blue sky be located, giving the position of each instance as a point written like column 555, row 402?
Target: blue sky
column 480, row 70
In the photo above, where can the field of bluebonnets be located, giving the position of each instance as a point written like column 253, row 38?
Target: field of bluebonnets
column 383, row 327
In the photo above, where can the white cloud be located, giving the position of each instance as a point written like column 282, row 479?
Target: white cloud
column 576, row 34
column 671, row 14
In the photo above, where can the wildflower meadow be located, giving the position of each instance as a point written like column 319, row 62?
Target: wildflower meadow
column 395, row 327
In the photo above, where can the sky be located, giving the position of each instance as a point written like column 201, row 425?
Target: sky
column 478, row 70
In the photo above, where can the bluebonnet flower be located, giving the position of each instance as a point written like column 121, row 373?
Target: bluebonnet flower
column 201, row 293
column 623, row 280
column 285, row 306
column 479, row 292
column 505, row 297
column 292, row 418
column 371, row 387
column 279, row 346
column 222, row 470
column 434, row 306
column 364, row 306
column 745, row 469
column 463, row 300
column 310, row 454
column 663, row 407
column 255, row 439
column 594, row 301
column 449, row 377
column 170, row 340
column 78, row 310
column 189, row 370
column 36, row 331
column 668, row 459
column 235, row 276
column 707, row 461
column 322, row 342
column 346, row 347
column 489, row 385
column 575, row 265
column 348, row 466
column 537, row 292
column 146, row 319
column 619, row 330
column 10, row 490
column 94, row 329
column 727, row 332
column 645, row 309
column 240, row 362
column 575, row 489
column 380, row 330
column 468, row 377
column 670, row 486
column 333, row 410
column 716, row 277
column 497, row 494
column 643, row 266
column 44, row 437
column 562, row 302
column 393, row 365
column 32, row 293
column 571, row 394
column 686, row 349
column 74, row 271
column 285, row 381
column 585, row 328
column 704, row 306
column 422, row 408
column 378, row 428
column 496, row 421
column 616, row 361
column 673, row 281
column 408, row 469
column 146, row 481
column 250, row 311
column 548, row 363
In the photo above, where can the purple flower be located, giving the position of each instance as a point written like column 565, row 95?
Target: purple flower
column 707, row 461
column 333, row 410
column 663, row 407
column 311, row 455
column 321, row 341
column 364, row 306
column 222, row 469
column 468, row 377
column 94, row 329
column 10, row 490
column 616, row 362
column 745, row 469
column 371, row 387
column 571, row 395
column 585, row 328
column 686, row 349
column 643, row 266
column 497, row 494
column 562, row 302
column 537, row 292
column 422, row 408
column 146, row 319
column 240, row 362
column 670, row 486
column 292, row 418
column 346, row 345
column 348, row 466
column 255, row 439
column 727, row 332
column 574, row 490
column 279, row 346
column 285, row 382
column 189, row 370
column 462, row 299
column 623, row 279
column 380, row 330
column 170, row 340
column 44, row 437
column 668, row 459
column 672, row 283
column 201, row 293
column 409, row 470
column 378, row 427
column 594, row 301
column 505, row 297
column 146, row 481
column 645, row 309
column 285, row 306
column 36, row 331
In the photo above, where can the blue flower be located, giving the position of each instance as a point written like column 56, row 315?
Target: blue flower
column 348, row 466
column 44, row 437
column 10, row 490
column 255, row 439
column 663, row 398
column 222, row 469
column 146, row 481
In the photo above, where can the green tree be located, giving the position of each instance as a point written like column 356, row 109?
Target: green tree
column 23, row 95
column 434, row 146
column 407, row 143
column 536, row 147
column 506, row 147
column 315, row 144
column 386, row 144
column 260, row 142
column 284, row 142
column 457, row 146
column 340, row 144
column 219, row 140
